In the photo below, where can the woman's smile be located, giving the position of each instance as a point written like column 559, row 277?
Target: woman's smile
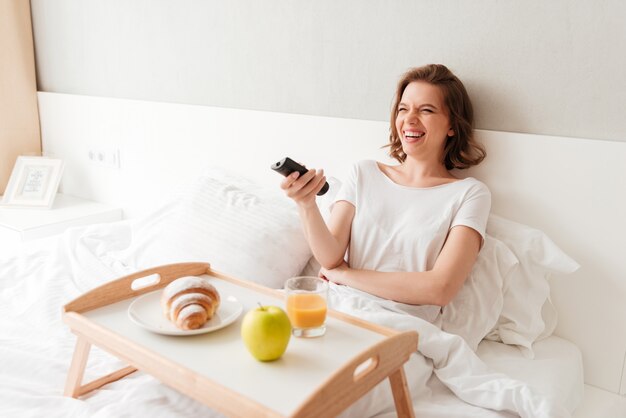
column 413, row 136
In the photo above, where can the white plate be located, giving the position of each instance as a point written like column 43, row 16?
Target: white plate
column 146, row 312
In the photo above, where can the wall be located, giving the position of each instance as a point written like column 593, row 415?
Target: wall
column 19, row 119
column 545, row 67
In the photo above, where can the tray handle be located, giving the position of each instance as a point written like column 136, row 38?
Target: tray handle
column 362, row 373
column 134, row 285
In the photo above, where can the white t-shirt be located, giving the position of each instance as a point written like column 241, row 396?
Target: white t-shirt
column 401, row 228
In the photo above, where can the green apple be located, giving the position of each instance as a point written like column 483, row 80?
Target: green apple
column 266, row 331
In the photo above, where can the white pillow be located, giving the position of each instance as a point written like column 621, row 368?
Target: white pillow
column 222, row 218
column 476, row 308
column 527, row 313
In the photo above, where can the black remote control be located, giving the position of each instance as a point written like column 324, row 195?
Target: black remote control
column 287, row 166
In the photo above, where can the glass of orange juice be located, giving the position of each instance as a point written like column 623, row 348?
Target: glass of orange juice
column 306, row 305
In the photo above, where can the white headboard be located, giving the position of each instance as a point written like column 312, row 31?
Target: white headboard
column 573, row 189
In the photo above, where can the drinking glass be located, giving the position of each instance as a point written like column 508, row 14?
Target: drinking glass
column 306, row 305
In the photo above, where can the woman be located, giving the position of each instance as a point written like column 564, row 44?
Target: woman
column 411, row 232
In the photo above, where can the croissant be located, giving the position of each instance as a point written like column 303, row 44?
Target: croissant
column 189, row 302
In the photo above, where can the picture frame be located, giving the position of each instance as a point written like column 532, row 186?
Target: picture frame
column 34, row 182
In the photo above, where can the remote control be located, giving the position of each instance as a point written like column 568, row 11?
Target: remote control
column 287, row 166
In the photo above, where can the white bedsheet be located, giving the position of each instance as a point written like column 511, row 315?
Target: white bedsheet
column 36, row 347
column 557, row 368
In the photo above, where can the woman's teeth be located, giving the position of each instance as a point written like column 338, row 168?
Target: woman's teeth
column 414, row 134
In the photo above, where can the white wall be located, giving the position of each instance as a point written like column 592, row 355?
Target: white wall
column 546, row 67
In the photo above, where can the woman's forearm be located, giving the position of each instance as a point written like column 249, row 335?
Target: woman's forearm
column 325, row 247
column 414, row 288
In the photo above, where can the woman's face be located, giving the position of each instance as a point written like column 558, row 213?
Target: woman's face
column 422, row 121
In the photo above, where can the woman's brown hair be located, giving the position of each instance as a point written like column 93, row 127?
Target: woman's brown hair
column 461, row 150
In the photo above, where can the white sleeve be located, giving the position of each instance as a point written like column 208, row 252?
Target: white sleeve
column 474, row 209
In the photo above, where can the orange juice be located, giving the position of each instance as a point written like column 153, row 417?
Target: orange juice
column 306, row 310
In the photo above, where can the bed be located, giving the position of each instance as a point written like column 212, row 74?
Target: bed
column 524, row 337
column 251, row 232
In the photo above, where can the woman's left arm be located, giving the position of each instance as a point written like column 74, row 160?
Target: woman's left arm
column 433, row 287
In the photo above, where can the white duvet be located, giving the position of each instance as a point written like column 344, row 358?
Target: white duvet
column 445, row 377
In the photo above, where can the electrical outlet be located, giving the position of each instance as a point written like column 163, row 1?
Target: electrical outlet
column 106, row 157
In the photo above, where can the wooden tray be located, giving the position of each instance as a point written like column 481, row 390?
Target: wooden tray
column 316, row 377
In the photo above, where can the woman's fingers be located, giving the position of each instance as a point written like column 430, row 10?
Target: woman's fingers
column 289, row 180
column 295, row 181
column 309, row 183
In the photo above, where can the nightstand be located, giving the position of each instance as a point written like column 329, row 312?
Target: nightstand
column 20, row 225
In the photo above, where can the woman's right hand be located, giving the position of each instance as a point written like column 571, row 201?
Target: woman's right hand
column 303, row 189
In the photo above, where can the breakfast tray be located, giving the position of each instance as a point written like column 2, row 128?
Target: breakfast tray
column 316, row 377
